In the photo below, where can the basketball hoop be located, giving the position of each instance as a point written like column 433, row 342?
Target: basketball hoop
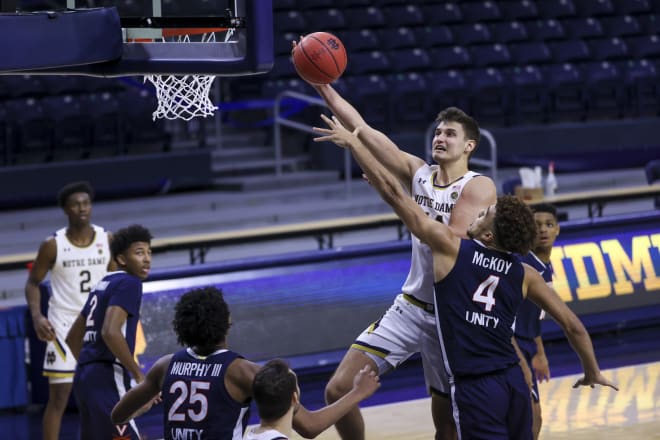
column 185, row 97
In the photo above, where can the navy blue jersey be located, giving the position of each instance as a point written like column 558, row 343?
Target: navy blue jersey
column 476, row 304
column 115, row 289
column 196, row 402
column 528, row 319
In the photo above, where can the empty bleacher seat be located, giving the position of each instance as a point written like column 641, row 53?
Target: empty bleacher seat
column 650, row 23
column 567, row 94
column 632, row 6
column 475, row 33
column 374, row 61
column 370, row 93
column 643, row 88
column 450, row 57
column 442, row 13
column 432, row 36
column 530, row 52
column 582, row 27
column 316, row 4
column 509, row 31
column 480, row 11
column 647, row 46
column 24, row 86
column 290, row 21
column 621, row 26
column 569, row 51
column 107, row 125
column 448, row 88
column 282, row 67
column 488, row 96
column 72, row 126
column 326, row 19
column 405, row 60
column 605, row 92
column 143, row 134
column 278, row 5
column 530, row 96
column 360, row 39
column 490, row 55
column 409, row 100
column 32, row 130
column 518, row 10
column 608, row 48
column 594, row 8
column 273, row 87
column 546, row 29
column 365, row 17
column 396, row 38
column 404, row 15
column 556, row 9
column 282, row 42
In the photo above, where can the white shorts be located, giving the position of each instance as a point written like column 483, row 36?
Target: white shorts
column 408, row 327
column 59, row 363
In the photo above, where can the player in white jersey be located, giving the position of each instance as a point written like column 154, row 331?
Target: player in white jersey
column 77, row 257
column 448, row 192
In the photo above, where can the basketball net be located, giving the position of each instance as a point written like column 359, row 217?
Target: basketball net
column 184, row 97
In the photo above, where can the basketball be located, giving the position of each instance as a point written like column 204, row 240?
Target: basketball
column 320, row 58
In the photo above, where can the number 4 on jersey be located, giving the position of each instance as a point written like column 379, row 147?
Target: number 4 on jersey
column 485, row 293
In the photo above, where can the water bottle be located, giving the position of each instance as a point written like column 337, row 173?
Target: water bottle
column 551, row 181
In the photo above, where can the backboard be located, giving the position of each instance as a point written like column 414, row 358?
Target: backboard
column 225, row 37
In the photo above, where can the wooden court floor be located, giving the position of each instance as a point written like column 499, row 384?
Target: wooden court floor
column 632, row 413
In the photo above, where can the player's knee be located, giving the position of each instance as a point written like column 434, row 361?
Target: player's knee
column 336, row 389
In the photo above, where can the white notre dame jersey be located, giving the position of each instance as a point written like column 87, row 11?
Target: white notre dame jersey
column 437, row 202
column 77, row 270
column 269, row 434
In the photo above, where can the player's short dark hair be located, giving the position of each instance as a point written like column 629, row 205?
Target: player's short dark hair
column 123, row 238
column 72, row 188
column 201, row 319
column 469, row 124
column 514, row 225
column 545, row 207
column 273, row 388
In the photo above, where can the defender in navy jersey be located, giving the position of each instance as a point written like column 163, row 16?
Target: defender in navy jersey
column 206, row 388
column 479, row 285
column 103, row 337
column 448, row 192
column 528, row 325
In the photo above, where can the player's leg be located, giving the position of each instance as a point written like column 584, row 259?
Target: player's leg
column 59, row 366
column 437, row 381
column 351, row 426
column 58, row 398
column 386, row 343
column 536, row 418
column 445, row 429
column 519, row 417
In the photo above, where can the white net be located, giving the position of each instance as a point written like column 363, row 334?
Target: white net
column 184, row 97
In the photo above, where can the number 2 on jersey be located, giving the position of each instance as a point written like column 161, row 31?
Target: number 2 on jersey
column 485, row 293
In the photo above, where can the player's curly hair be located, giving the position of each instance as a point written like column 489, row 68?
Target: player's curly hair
column 514, row 225
column 123, row 238
column 469, row 124
column 201, row 319
column 72, row 188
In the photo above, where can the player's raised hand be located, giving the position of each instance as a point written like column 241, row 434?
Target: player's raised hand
column 366, row 382
column 336, row 133
column 592, row 382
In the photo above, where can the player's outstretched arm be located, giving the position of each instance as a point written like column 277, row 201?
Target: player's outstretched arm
column 546, row 298
column 309, row 424
column 433, row 233
column 141, row 397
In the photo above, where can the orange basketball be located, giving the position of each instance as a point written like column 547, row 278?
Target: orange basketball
column 320, row 58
